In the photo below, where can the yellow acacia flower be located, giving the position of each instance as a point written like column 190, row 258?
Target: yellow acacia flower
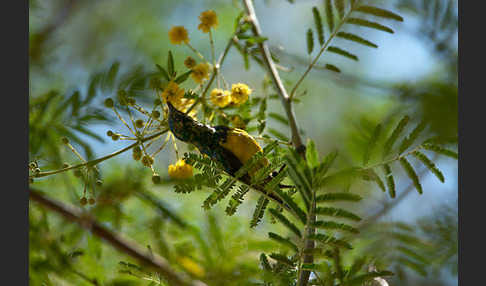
column 220, row 97
column 191, row 266
column 189, row 62
column 180, row 170
column 172, row 93
column 208, row 20
column 178, row 34
column 239, row 93
column 183, row 104
column 200, row 72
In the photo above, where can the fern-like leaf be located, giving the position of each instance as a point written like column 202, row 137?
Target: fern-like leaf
column 395, row 134
column 429, row 164
column 342, row 52
column 336, row 212
column 329, row 15
column 390, row 182
column 284, row 241
column 236, row 199
column 292, row 205
column 411, row 174
column 264, row 262
column 318, row 23
column 340, row 8
column 439, row 150
column 371, row 175
column 310, row 41
column 259, row 211
column 332, row 68
column 379, row 12
column 371, row 144
column 369, row 24
column 407, row 142
column 334, row 197
column 356, row 39
column 282, row 259
column 280, row 217
column 334, row 225
column 326, row 239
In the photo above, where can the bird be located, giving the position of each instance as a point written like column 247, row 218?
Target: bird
column 232, row 147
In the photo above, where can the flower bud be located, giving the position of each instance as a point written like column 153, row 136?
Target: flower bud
column 139, row 123
column 65, row 140
column 83, row 201
column 155, row 114
column 156, row 179
column 109, row 103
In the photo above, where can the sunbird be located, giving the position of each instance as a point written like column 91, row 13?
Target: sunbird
column 232, row 147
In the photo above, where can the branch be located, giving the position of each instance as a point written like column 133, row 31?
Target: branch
column 99, row 160
column 284, row 97
column 122, row 244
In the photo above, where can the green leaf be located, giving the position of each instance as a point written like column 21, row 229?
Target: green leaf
column 395, row 134
column 279, row 118
column 326, row 239
column 440, row 150
column 259, row 211
column 280, row 217
column 429, row 164
column 334, row 225
column 329, row 15
column 419, row 268
column 408, row 141
column 183, row 77
column 318, row 23
column 336, row 212
column 170, row 65
column 163, row 72
column 332, row 68
column 340, row 8
column 410, row 253
column 375, row 11
column 356, row 39
column 282, row 259
column 371, row 175
column 342, row 52
column 335, row 197
column 296, row 171
column 310, row 41
column 411, row 174
column 284, row 241
column 278, row 134
column 369, row 24
column 311, row 154
column 264, row 262
column 292, row 205
column 237, row 199
column 390, row 182
column 371, row 144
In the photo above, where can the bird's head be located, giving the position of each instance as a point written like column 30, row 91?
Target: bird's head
column 184, row 127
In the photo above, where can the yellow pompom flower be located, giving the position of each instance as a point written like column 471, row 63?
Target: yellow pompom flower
column 191, row 266
column 189, row 62
column 239, row 93
column 220, row 97
column 180, row 170
column 208, row 20
column 173, row 93
column 184, row 104
column 178, row 34
column 200, row 72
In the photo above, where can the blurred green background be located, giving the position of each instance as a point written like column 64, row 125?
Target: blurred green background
column 414, row 72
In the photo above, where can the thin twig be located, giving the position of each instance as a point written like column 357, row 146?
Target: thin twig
column 282, row 92
column 99, row 160
column 124, row 245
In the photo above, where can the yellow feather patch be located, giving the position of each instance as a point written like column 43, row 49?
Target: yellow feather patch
column 243, row 146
